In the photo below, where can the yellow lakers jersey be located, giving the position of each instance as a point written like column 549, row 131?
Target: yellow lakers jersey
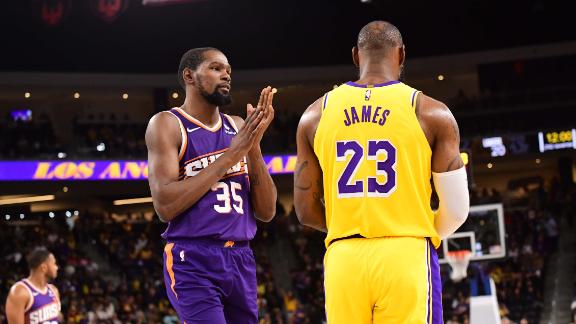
column 376, row 163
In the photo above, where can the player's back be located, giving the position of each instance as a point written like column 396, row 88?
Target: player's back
column 376, row 163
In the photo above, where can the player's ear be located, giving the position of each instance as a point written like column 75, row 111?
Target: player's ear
column 402, row 54
column 355, row 57
column 189, row 76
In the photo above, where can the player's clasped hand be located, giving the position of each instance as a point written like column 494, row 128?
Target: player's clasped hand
column 257, row 121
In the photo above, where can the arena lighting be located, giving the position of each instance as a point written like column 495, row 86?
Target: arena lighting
column 51, row 214
column 537, row 161
column 68, row 213
column 65, row 189
column 61, row 155
column 7, row 217
column 132, row 201
column 76, row 95
column 440, row 77
column 175, row 95
column 125, row 96
column 27, row 95
column 22, row 200
column 21, row 216
column 489, row 165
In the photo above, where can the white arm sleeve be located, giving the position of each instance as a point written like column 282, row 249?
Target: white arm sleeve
column 452, row 190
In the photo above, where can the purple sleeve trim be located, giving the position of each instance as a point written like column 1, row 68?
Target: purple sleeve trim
column 414, row 96
column 325, row 100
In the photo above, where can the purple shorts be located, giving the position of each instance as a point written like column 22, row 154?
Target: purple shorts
column 211, row 281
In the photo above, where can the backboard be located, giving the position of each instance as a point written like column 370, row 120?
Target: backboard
column 483, row 234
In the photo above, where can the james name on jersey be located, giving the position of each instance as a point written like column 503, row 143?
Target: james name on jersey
column 376, row 116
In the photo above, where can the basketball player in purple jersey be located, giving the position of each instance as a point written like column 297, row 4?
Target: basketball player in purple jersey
column 210, row 183
column 33, row 300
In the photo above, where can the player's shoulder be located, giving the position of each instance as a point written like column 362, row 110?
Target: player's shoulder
column 55, row 290
column 428, row 108
column 19, row 291
column 53, row 287
column 314, row 111
column 162, row 118
column 162, row 121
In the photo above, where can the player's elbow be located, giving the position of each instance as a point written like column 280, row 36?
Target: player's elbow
column 164, row 211
column 304, row 214
column 267, row 215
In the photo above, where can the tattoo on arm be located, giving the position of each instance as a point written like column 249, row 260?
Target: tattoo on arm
column 456, row 160
column 298, row 173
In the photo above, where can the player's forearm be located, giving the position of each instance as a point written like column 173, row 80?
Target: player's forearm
column 262, row 188
column 309, row 208
column 173, row 198
column 310, row 212
column 452, row 189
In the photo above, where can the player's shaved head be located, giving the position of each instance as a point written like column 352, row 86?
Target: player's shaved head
column 379, row 35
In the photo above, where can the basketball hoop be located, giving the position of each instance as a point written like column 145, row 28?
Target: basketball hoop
column 458, row 261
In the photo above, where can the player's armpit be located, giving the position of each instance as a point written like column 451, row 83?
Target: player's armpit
column 308, row 186
column 16, row 303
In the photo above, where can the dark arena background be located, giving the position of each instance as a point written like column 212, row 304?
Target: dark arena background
column 79, row 81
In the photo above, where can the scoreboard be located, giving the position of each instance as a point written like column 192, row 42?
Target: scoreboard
column 557, row 140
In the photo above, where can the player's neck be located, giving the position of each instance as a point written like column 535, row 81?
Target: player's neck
column 377, row 73
column 38, row 280
column 198, row 108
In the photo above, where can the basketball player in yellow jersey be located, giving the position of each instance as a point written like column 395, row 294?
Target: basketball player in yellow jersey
column 366, row 153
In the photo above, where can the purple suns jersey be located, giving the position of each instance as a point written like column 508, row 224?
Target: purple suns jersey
column 225, row 211
column 44, row 307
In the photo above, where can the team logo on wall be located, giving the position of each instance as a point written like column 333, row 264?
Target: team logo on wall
column 109, row 10
column 51, row 12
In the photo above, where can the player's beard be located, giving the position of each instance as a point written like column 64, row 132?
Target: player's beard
column 215, row 98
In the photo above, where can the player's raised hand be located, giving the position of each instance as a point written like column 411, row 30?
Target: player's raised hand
column 265, row 104
column 247, row 135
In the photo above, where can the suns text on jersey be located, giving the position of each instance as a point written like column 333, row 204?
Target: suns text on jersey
column 193, row 167
column 368, row 115
column 48, row 312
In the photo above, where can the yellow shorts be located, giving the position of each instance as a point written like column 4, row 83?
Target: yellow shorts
column 382, row 280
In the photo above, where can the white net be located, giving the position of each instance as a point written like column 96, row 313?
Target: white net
column 458, row 261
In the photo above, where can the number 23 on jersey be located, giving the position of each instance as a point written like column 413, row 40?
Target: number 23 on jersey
column 348, row 186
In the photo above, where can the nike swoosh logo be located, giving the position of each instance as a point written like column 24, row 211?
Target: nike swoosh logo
column 190, row 130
